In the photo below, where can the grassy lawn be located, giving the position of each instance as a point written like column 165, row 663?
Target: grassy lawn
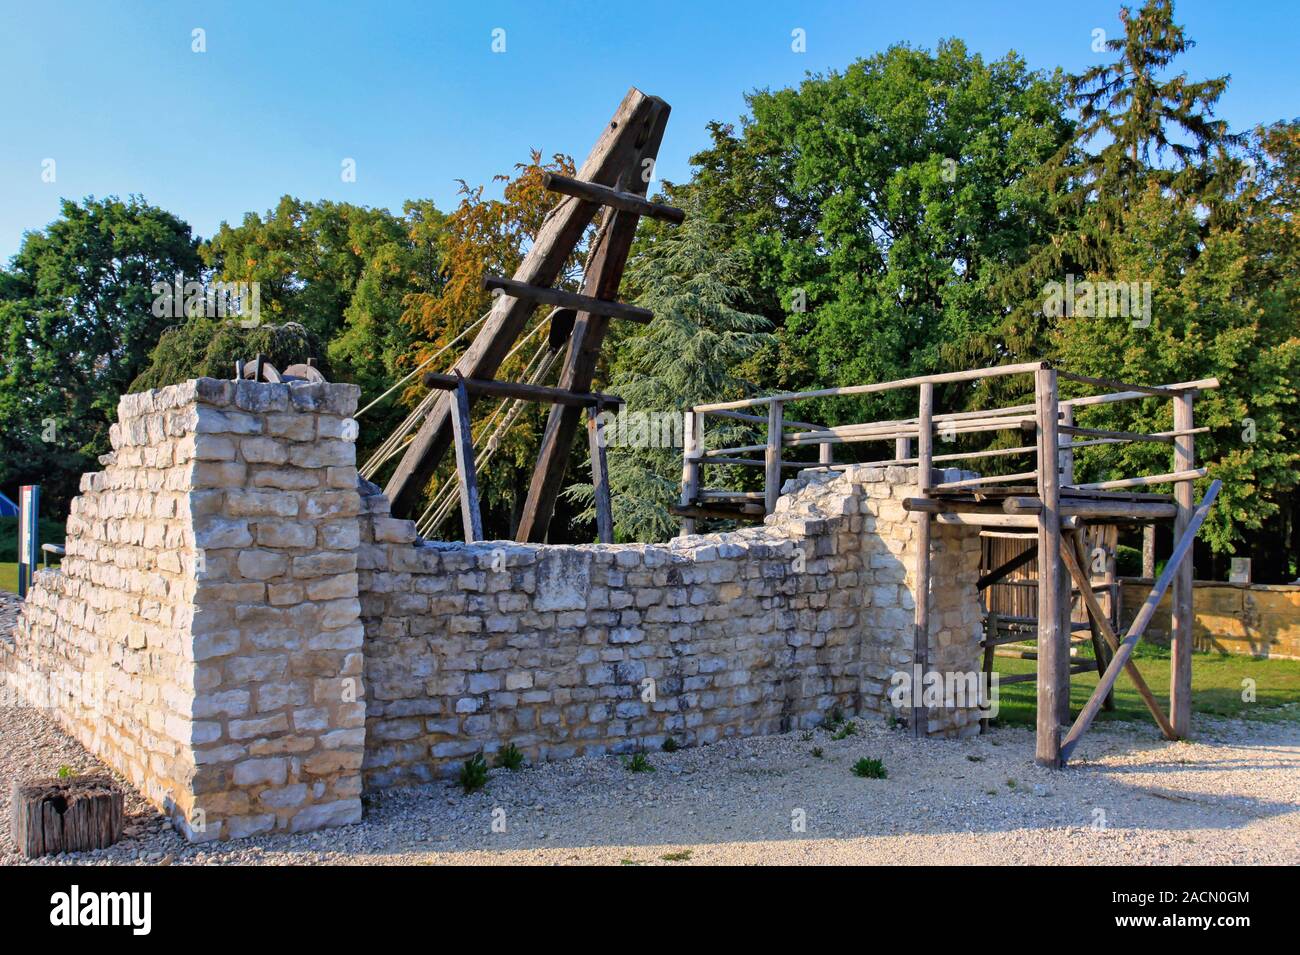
column 9, row 578
column 1216, row 688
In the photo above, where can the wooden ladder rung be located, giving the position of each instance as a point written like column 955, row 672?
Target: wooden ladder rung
column 492, row 388
column 555, row 296
column 623, row 201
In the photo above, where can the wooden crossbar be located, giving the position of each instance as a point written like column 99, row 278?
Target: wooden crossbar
column 516, row 389
column 555, row 296
column 614, row 198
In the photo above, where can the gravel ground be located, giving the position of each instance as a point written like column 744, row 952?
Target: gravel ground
column 1231, row 797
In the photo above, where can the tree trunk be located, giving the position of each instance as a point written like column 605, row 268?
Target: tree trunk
column 66, row 815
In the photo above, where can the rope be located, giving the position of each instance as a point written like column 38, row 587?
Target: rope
column 424, row 364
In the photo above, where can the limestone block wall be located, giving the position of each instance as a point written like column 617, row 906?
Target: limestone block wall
column 567, row 650
column 203, row 635
column 244, row 631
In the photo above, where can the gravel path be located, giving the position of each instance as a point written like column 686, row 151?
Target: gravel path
column 1232, row 797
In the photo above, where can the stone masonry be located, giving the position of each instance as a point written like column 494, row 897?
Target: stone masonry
column 243, row 631
column 203, row 635
column 569, row 650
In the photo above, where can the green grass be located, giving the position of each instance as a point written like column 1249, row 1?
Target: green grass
column 1216, row 688
column 9, row 578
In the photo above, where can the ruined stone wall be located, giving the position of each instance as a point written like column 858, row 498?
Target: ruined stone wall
column 566, row 650
column 249, row 637
column 202, row 636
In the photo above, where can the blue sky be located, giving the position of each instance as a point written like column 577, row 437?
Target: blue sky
column 414, row 94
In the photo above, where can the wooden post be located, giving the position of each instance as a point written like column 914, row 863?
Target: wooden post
column 49, row 816
column 1064, row 441
column 692, row 446
column 772, row 458
column 1149, row 551
column 826, row 453
column 463, row 439
column 600, row 476
column 1180, row 648
column 1053, row 681
column 990, row 648
column 902, row 449
column 924, row 481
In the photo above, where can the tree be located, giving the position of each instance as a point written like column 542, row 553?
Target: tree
column 876, row 209
column 687, row 355
column 77, row 324
column 202, row 347
column 1145, row 128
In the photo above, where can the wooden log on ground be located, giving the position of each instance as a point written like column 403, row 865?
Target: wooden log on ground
column 76, row 814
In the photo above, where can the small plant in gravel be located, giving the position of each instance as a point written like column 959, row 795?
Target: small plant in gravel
column 474, row 774
column 1011, row 784
column 65, row 772
column 846, row 730
column 870, row 769
column 990, row 792
column 682, row 856
column 628, row 862
column 975, row 759
column 509, row 757
column 806, row 736
column 638, row 763
column 670, row 745
column 817, row 752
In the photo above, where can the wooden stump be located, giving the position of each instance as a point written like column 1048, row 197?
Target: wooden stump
column 66, row 815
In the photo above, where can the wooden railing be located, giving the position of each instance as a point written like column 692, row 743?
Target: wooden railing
column 1045, row 500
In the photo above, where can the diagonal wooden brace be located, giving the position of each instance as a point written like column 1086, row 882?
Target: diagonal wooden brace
column 1181, row 551
column 1069, row 554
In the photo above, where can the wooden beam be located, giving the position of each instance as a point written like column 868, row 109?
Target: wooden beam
column 623, row 201
column 1053, row 684
column 1144, row 615
column 601, row 279
column 1180, row 644
column 1014, row 564
column 618, row 148
column 563, row 299
column 522, row 390
column 694, row 512
column 1202, row 384
column 772, row 455
column 1094, row 508
column 1172, row 477
column 692, row 443
column 944, row 378
column 600, row 477
column 924, row 481
column 467, row 479
column 1075, row 561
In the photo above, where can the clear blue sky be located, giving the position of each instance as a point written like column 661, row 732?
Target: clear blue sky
column 413, row 92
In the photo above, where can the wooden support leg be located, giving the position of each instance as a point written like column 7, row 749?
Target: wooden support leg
column 1053, row 685
column 1180, row 648
column 772, row 458
column 600, row 477
column 469, row 512
column 692, row 446
column 924, row 480
column 990, row 648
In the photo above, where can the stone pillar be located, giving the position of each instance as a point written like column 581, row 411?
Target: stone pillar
column 278, row 731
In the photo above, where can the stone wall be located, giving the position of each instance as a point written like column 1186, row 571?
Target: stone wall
column 1258, row 620
column 243, row 630
column 202, row 636
column 567, row 650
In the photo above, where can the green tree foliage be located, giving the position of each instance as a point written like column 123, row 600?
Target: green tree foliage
column 76, row 327
column 885, row 202
column 689, row 354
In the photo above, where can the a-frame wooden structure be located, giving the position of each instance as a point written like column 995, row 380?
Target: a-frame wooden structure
column 615, row 175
